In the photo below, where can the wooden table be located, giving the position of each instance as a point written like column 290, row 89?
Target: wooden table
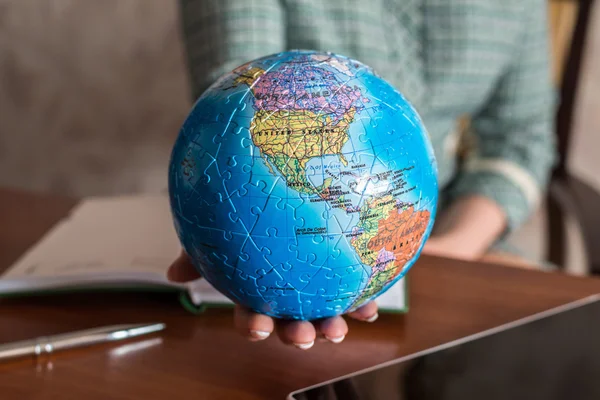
column 201, row 357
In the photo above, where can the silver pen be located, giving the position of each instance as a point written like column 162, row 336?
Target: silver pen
column 49, row 344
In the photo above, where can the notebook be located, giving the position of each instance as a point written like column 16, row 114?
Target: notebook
column 124, row 243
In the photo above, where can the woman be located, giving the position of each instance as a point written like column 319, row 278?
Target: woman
column 450, row 58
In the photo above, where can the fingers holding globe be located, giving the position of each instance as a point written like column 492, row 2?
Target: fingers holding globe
column 257, row 327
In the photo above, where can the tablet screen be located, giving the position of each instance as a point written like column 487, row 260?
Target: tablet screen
column 555, row 356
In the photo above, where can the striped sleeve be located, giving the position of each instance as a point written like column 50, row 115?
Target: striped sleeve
column 514, row 130
column 220, row 35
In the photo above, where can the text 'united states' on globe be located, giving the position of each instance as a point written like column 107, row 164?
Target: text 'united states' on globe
column 303, row 185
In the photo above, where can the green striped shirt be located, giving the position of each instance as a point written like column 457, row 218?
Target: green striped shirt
column 486, row 59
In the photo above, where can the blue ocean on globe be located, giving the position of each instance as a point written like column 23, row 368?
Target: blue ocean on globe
column 303, row 185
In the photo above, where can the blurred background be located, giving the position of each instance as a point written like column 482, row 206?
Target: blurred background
column 92, row 95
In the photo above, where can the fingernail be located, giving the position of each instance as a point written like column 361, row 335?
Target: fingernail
column 259, row 335
column 338, row 339
column 372, row 318
column 304, row 346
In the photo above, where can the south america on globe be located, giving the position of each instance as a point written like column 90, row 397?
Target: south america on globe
column 303, row 185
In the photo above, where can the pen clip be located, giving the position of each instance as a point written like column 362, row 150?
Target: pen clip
column 43, row 345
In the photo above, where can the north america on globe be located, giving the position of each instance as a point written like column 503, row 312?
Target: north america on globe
column 303, row 185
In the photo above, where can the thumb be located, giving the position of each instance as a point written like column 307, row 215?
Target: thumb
column 182, row 269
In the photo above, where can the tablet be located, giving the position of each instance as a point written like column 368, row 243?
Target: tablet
column 552, row 355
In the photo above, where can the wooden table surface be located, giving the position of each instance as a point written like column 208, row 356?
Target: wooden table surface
column 201, row 357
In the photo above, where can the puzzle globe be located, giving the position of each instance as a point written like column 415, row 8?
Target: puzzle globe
column 303, row 185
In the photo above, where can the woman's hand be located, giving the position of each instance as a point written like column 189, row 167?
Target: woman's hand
column 255, row 327
column 467, row 229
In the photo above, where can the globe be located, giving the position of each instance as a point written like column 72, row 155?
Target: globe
column 302, row 185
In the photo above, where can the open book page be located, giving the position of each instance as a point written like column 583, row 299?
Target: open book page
column 118, row 241
column 112, row 240
column 394, row 298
